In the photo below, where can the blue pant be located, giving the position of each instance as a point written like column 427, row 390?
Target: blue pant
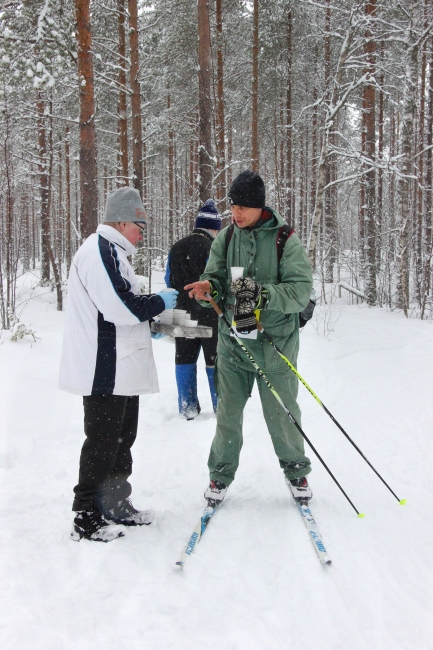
column 187, row 353
column 186, row 379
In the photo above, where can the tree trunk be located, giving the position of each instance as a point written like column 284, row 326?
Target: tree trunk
column 302, row 179
column 419, row 185
column 427, row 270
column 123, row 109
column 26, row 234
column 329, row 222
column 171, row 212
column 68, row 200
column 379, row 202
column 205, row 104
column 221, row 187
column 191, row 177
column 145, row 193
column 368, row 105
column 43, row 189
column 33, row 235
column 60, row 215
column 289, row 131
column 45, row 172
column 229, row 153
column 314, row 148
column 88, row 170
column 8, row 307
column 255, row 91
column 137, row 136
column 405, row 162
column 276, row 162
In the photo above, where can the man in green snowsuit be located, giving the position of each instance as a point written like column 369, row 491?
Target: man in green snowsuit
column 280, row 290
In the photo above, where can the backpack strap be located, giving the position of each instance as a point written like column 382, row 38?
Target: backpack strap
column 284, row 233
column 229, row 235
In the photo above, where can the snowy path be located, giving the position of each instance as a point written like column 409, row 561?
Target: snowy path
column 254, row 582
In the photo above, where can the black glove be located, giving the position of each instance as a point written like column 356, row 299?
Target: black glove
column 307, row 313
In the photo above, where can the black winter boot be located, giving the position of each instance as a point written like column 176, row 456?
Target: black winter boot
column 94, row 527
column 125, row 513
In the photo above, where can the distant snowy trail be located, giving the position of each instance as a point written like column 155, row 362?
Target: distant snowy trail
column 254, row 581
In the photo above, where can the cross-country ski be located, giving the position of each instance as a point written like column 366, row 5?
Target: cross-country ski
column 197, row 534
column 303, row 505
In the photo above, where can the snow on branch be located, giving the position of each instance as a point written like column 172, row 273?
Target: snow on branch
column 348, row 287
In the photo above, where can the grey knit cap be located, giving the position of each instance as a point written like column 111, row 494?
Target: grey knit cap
column 124, row 204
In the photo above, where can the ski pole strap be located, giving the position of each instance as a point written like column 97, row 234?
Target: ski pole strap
column 277, row 397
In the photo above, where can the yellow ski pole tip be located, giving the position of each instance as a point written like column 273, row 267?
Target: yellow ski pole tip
column 402, row 502
column 361, row 515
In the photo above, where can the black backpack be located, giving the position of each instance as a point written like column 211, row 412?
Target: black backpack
column 283, row 235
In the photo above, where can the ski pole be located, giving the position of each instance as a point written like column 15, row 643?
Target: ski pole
column 277, row 397
column 319, row 401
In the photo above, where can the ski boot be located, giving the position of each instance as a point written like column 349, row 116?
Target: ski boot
column 300, row 489
column 215, row 493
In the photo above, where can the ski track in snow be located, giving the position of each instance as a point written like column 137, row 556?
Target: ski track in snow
column 254, row 582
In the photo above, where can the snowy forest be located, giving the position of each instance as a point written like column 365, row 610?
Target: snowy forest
column 330, row 101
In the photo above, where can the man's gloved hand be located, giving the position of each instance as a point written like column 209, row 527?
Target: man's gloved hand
column 244, row 316
column 246, row 289
column 307, row 313
column 249, row 296
column 169, row 297
column 157, row 335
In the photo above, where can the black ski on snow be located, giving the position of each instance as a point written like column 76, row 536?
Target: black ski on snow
column 308, row 519
column 197, row 534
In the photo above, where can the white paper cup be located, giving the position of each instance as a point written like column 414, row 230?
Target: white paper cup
column 191, row 323
column 179, row 312
column 237, row 272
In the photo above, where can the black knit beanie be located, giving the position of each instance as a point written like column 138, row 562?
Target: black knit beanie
column 248, row 189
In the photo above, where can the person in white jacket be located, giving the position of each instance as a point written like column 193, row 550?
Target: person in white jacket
column 107, row 358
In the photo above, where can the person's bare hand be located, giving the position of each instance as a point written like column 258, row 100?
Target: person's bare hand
column 198, row 290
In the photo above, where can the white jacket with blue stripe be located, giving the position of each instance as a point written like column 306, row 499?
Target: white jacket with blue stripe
column 107, row 348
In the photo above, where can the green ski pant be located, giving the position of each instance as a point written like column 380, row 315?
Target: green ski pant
column 234, row 386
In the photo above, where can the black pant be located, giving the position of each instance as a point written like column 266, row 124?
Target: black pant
column 110, row 425
column 187, row 350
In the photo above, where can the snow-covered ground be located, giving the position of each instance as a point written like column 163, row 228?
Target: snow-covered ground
column 255, row 582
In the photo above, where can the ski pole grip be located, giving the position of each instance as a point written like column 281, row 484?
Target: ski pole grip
column 260, row 326
column 214, row 305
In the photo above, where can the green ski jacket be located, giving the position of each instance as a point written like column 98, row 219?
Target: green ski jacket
column 288, row 283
